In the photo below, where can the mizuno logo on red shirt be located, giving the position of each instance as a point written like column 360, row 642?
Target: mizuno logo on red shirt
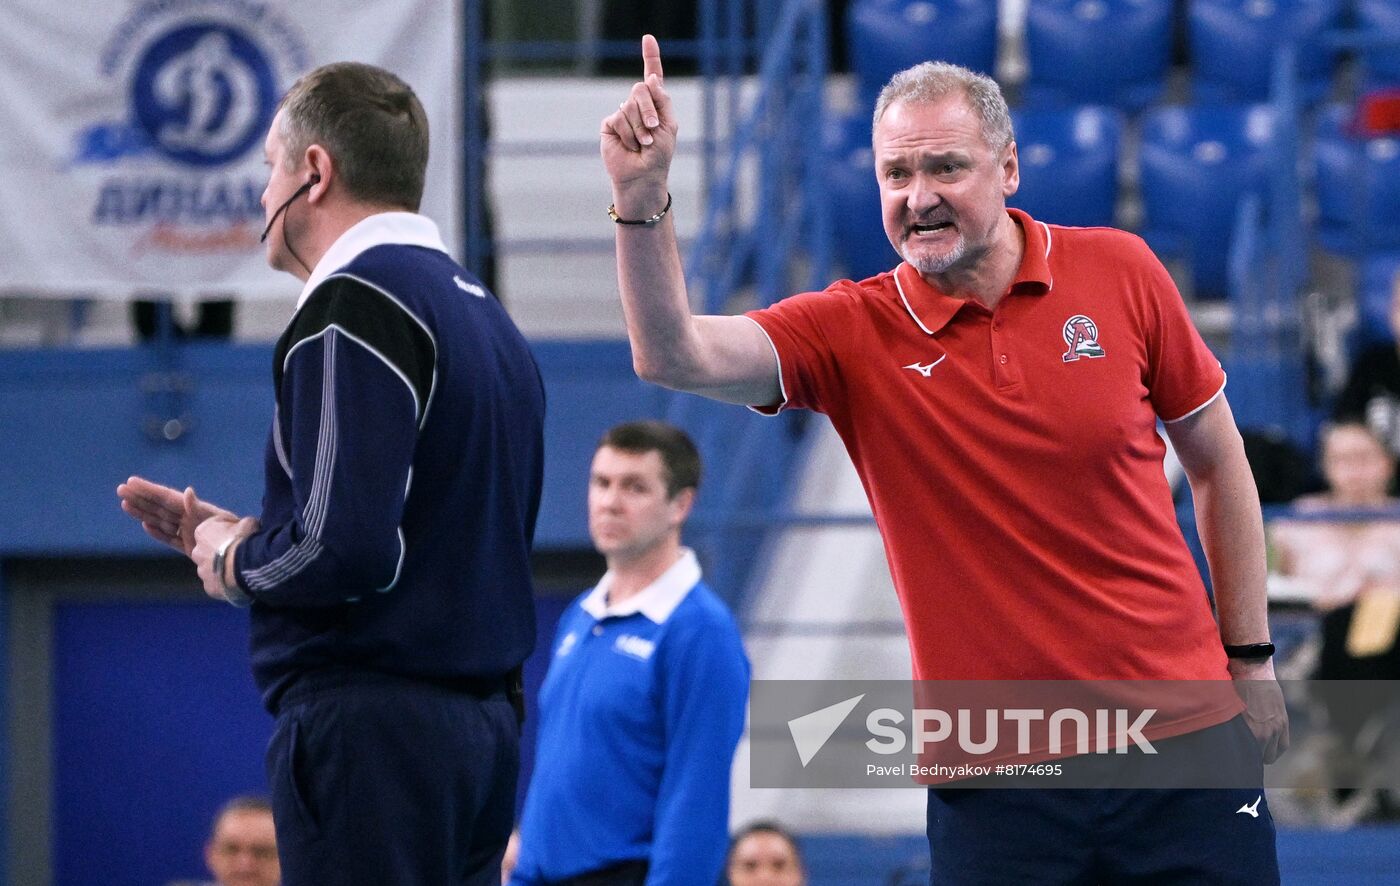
column 925, row 368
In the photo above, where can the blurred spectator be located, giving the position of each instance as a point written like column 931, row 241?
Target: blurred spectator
column 1282, row 471
column 763, row 853
column 1350, row 572
column 644, row 700
column 242, row 848
column 1339, row 564
column 1372, row 392
column 212, row 319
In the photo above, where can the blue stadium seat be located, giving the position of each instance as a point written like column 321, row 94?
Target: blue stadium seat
column 1373, row 296
column 887, row 36
column 1382, row 66
column 860, row 243
column 1196, row 165
column 1357, row 183
column 1069, row 164
column 1333, row 158
column 1104, row 52
column 1233, row 43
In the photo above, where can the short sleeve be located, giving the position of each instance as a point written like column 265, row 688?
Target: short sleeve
column 1182, row 373
column 807, row 332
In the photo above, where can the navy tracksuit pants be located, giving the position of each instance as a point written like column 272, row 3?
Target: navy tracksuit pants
column 384, row 780
column 1112, row 836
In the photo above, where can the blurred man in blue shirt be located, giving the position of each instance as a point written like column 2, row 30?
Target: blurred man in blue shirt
column 644, row 701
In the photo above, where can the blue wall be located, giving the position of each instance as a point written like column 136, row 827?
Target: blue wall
column 156, row 723
column 1368, row 856
column 135, row 723
column 155, row 720
column 4, row 731
column 74, row 424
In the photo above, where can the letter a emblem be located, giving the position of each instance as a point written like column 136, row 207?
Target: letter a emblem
column 1082, row 336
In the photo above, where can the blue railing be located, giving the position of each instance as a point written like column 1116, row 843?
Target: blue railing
column 766, row 229
column 780, row 133
column 1269, row 266
column 1267, row 270
column 782, row 246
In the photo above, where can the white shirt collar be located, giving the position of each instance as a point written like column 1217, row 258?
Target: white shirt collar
column 403, row 228
column 656, row 601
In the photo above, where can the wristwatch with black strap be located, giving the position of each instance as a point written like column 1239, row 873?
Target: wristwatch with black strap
column 1250, row 650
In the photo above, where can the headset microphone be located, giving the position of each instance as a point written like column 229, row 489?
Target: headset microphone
column 315, row 179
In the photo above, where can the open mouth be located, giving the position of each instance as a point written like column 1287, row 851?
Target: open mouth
column 932, row 228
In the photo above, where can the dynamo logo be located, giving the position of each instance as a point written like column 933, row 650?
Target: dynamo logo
column 204, row 94
column 199, row 82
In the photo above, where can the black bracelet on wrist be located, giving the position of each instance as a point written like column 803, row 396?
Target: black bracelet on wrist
column 612, row 214
column 1250, row 650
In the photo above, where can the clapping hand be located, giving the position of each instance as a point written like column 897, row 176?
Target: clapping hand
column 168, row 515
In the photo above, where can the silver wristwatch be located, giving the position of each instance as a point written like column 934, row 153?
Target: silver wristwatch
column 232, row 592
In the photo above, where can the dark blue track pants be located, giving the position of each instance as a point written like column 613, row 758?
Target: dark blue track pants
column 1089, row 836
column 385, row 781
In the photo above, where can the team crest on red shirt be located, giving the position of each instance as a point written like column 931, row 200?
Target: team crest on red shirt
column 1082, row 336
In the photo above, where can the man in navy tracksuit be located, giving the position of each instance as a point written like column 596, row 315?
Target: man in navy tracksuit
column 388, row 575
column 644, row 701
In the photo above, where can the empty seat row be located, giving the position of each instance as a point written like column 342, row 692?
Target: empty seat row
column 1118, row 52
column 1195, row 165
column 1357, row 183
column 1375, row 292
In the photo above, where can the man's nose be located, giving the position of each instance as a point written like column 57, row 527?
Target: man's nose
column 923, row 195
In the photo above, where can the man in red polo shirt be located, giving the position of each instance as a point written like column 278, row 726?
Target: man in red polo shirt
column 999, row 393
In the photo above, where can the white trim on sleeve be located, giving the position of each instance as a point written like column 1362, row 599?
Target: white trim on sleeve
column 1210, row 400
column 782, row 388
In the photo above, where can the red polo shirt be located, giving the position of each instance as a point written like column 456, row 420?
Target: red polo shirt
column 1012, row 460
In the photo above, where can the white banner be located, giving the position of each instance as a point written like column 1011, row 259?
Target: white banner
column 132, row 133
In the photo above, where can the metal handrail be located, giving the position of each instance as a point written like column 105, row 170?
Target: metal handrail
column 779, row 132
column 1268, row 322
column 724, row 248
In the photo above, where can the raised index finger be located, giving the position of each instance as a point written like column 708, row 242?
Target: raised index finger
column 651, row 57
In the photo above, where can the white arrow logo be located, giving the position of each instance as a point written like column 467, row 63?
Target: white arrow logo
column 1251, row 808
column 925, row 368
column 811, row 731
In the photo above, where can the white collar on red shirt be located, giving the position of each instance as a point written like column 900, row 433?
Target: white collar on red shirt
column 932, row 310
column 401, row 228
column 656, row 601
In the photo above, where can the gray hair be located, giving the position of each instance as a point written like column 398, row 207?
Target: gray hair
column 931, row 81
